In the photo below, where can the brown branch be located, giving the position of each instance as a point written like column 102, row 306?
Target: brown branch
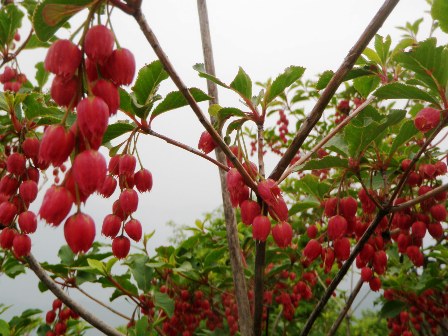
column 10, row 57
column 152, row 39
column 342, row 272
column 239, row 280
column 68, row 301
column 116, row 312
column 260, row 251
column 190, row 149
column 419, row 199
column 349, row 61
column 347, row 306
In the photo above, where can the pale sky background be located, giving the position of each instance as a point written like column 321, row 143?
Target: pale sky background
column 264, row 37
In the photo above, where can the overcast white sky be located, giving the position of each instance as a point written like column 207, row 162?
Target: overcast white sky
column 263, row 37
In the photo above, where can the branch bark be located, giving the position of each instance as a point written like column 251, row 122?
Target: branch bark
column 68, row 301
column 332, row 86
column 347, row 306
column 239, row 280
column 152, row 39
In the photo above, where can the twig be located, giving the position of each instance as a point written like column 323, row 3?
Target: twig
column 340, row 275
column 260, row 251
column 347, row 306
column 239, row 280
column 10, row 57
column 102, row 303
column 186, row 147
column 349, row 61
column 419, row 199
column 68, row 301
column 327, row 138
column 152, row 39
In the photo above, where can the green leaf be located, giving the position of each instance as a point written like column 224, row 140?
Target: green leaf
column 4, row 328
column 50, row 15
column 429, row 62
column 382, row 47
column 142, row 327
column 176, row 99
column 324, row 163
column 97, row 265
column 10, row 21
column 366, row 84
column 324, row 79
column 310, row 184
column 372, row 55
column 34, row 43
column 303, row 205
column 407, row 131
column 439, row 12
column 110, row 263
column 403, row 91
column 234, row 125
column 115, row 130
column 140, row 271
column 359, row 136
column 202, row 73
column 148, row 79
column 338, row 145
column 41, row 74
column 392, row 308
column 242, row 84
column 66, row 255
column 282, row 82
column 213, row 257
column 163, row 301
column 228, row 112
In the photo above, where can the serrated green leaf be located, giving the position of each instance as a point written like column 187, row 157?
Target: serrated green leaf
column 282, row 82
column 338, row 145
column 439, row 12
column 429, row 62
column 214, row 109
column 324, row 79
column 242, row 84
column 392, row 308
column 176, row 99
column 199, row 67
column 115, row 130
column 324, row 163
column 358, row 137
column 213, row 257
column 234, row 125
column 148, row 79
column 163, row 301
column 382, row 47
column 10, row 21
column 50, row 15
column 407, row 131
column 228, row 112
column 372, row 55
column 366, row 84
column 403, row 91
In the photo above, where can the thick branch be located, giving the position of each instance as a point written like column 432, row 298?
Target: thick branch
column 68, row 301
column 347, row 306
column 332, row 86
column 239, row 280
column 152, row 39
